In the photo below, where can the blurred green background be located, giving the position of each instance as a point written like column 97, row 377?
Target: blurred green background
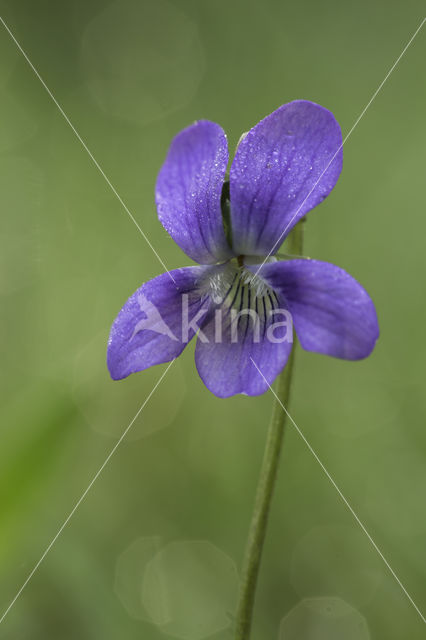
column 156, row 546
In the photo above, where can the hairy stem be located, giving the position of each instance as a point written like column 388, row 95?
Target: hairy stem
column 267, row 480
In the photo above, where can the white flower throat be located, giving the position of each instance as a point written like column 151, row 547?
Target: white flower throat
column 232, row 286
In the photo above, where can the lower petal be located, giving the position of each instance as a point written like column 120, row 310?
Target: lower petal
column 148, row 330
column 230, row 355
column 332, row 313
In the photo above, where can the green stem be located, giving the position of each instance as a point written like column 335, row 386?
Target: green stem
column 267, row 480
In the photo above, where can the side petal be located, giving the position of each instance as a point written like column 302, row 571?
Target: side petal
column 188, row 192
column 332, row 313
column 285, row 166
column 227, row 367
column 148, row 330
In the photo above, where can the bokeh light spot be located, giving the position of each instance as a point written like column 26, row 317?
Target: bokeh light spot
column 143, row 60
column 189, row 589
column 396, row 489
column 326, row 618
column 104, row 403
column 130, row 568
column 336, row 559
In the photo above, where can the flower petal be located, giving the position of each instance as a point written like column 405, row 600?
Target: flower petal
column 227, row 367
column 188, row 192
column 148, row 329
column 331, row 311
column 285, row 166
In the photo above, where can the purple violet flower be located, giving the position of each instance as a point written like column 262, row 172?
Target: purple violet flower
column 283, row 167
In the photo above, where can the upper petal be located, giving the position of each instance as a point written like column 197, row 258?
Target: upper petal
column 148, row 329
column 286, row 165
column 188, row 192
column 332, row 313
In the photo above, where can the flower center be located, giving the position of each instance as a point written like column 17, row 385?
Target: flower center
column 242, row 295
